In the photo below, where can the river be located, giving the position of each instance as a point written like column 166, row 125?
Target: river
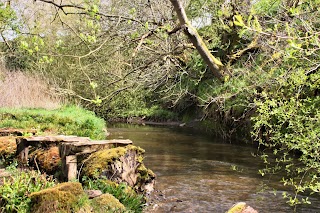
column 198, row 173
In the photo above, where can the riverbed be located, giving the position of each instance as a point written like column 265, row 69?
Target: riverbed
column 199, row 173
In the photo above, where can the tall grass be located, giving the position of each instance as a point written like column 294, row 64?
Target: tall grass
column 23, row 90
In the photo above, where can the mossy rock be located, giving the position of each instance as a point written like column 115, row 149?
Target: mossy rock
column 107, row 203
column 241, row 207
column 8, row 146
column 121, row 164
column 99, row 161
column 48, row 160
column 61, row 198
column 237, row 208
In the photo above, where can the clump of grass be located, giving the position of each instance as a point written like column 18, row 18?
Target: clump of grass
column 68, row 120
column 127, row 196
column 19, row 89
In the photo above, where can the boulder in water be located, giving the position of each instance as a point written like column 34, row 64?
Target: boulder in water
column 241, row 207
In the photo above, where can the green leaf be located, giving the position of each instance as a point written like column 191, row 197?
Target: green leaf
column 146, row 25
column 93, row 85
column 238, row 21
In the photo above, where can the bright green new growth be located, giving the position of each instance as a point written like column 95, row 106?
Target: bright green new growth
column 276, row 83
column 286, row 123
column 289, row 126
column 68, row 120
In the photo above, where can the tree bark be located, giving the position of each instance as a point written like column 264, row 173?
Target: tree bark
column 213, row 63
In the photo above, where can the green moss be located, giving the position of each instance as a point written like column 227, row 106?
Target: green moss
column 145, row 173
column 98, row 161
column 60, row 198
column 107, row 203
column 7, row 146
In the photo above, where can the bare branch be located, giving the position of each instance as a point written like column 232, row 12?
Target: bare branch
column 62, row 6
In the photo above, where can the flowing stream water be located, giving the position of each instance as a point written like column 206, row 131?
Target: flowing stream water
column 198, row 173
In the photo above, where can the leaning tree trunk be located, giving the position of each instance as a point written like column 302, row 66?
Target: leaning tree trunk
column 213, row 63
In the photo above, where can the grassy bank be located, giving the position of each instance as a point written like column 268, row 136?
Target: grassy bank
column 68, row 120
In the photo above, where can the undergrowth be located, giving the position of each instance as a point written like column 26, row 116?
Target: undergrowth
column 15, row 190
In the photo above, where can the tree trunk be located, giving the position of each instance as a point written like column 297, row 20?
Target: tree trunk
column 213, row 63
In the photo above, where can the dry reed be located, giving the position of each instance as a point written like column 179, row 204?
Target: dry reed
column 23, row 90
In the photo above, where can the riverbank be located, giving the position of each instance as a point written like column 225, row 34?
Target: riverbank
column 239, row 134
column 37, row 160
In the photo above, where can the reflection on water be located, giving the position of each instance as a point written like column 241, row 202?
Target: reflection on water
column 194, row 172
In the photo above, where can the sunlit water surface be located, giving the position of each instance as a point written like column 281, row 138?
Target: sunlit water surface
column 194, row 172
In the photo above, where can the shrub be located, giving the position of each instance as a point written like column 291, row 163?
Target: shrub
column 289, row 126
column 15, row 190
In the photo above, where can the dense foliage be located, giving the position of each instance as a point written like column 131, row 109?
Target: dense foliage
column 287, row 118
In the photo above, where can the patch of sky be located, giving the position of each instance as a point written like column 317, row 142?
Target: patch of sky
column 202, row 21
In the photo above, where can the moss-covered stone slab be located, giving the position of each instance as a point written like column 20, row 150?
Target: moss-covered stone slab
column 24, row 143
column 87, row 147
column 62, row 198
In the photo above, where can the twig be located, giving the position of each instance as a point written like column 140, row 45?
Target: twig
column 35, row 161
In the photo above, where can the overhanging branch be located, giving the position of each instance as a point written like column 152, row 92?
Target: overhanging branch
column 213, row 63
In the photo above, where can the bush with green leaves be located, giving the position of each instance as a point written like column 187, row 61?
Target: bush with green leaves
column 68, row 120
column 286, row 122
column 15, row 189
